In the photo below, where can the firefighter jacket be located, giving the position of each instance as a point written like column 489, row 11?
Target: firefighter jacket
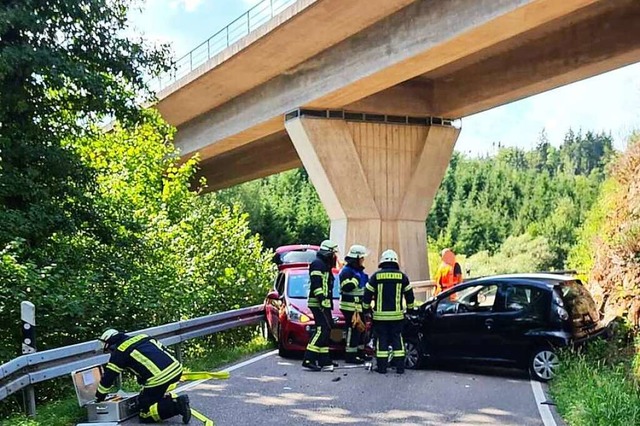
column 353, row 279
column 385, row 290
column 143, row 356
column 321, row 288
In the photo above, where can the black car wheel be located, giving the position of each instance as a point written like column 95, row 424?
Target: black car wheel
column 413, row 358
column 544, row 364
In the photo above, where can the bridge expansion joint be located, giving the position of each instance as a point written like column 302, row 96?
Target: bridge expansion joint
column 369, row 117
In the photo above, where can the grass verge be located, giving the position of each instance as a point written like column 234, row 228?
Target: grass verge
column 66, row 412
column 597, row 387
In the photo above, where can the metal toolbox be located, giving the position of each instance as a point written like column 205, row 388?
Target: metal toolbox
column 117, row 407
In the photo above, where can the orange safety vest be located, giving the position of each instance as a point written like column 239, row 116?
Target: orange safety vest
column 445, row 278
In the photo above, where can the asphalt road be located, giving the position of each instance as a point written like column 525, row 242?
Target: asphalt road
column 273, row 390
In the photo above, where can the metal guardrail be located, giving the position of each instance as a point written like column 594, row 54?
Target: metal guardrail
column 257, row 16
column 28, row 370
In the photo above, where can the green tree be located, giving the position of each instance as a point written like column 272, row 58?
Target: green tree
column 64, row 64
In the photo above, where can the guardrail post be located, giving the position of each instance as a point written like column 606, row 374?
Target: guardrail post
column 179, row 352
column 28, row 316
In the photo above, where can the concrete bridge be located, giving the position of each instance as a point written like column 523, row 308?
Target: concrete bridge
column 363, row 94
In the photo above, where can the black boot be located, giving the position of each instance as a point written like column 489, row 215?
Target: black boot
column 381, row 366
column 183, row 408
column 311, row 365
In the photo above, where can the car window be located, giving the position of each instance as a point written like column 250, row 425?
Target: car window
column 298, row 286
column 479, row 298
column 529, row 299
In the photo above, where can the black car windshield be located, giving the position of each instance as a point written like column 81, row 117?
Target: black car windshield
column 298, row 286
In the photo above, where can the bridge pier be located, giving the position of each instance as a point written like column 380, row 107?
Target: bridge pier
column 376, row 176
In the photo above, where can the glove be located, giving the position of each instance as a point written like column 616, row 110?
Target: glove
column 326, row 303
column 100, row 397
column 356, row 322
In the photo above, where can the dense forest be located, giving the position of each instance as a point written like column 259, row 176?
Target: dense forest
column 516, row 201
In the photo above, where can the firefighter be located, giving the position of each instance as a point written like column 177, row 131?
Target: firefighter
column 353, row 279
column 155, row 369
column 320, row 301
column 449, row 272
column 386, row 288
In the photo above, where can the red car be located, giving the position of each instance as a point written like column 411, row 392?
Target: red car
column 288, row 318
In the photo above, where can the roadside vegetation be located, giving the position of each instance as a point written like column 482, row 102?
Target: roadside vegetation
column 103, row 229
column 601, row 385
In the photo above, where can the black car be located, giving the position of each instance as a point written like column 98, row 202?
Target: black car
column 517, row 320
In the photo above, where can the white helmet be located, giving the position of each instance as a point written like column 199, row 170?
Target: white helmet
column 357, row 251
column 108, row 334
column 389, row 256
column 329, row 245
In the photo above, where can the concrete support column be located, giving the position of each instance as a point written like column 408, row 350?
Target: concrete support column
column 377, row 177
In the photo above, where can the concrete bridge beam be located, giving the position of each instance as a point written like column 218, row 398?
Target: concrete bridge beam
column 376, row 177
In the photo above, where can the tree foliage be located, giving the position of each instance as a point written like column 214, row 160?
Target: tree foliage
column 283, row 209
column 171, row 254
column 609, row 244
column 543, row 192
column 63, row 66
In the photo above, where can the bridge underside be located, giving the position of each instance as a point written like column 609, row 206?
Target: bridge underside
column 399, row 61
column 447, row 59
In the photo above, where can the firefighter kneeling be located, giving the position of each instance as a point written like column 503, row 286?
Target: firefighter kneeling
column 155, row 368
column 387, row 287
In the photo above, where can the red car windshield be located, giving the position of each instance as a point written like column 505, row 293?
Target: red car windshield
column 298, row 286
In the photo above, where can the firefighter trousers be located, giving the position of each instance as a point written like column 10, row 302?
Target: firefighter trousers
column 355, row 342
column 389, row 333
column 318, row 347
column 155, row 406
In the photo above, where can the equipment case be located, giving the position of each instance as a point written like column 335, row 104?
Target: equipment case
column 116, row 408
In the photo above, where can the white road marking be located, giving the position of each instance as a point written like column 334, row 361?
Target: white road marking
column 191, row 385
column 543, row 409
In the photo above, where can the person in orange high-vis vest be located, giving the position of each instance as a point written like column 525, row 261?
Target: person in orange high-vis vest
column 449, row 272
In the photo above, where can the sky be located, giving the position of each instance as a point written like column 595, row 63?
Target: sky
column 607, row 103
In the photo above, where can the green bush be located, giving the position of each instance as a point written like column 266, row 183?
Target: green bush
column 170, row 254
column 517, row 254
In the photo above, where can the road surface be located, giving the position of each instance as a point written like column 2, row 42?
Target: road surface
column 272, row 390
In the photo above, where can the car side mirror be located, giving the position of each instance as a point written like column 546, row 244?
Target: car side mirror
column 273, row 295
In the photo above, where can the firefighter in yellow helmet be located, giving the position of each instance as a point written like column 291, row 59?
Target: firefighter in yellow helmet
column 155, row 369
column 387, row 287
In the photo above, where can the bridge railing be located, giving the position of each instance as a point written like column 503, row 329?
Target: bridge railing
column 423, row 290
column 248, row 22
column 28, row 370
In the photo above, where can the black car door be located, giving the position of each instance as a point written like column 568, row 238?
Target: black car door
column 457, row 327
column 521, row 310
